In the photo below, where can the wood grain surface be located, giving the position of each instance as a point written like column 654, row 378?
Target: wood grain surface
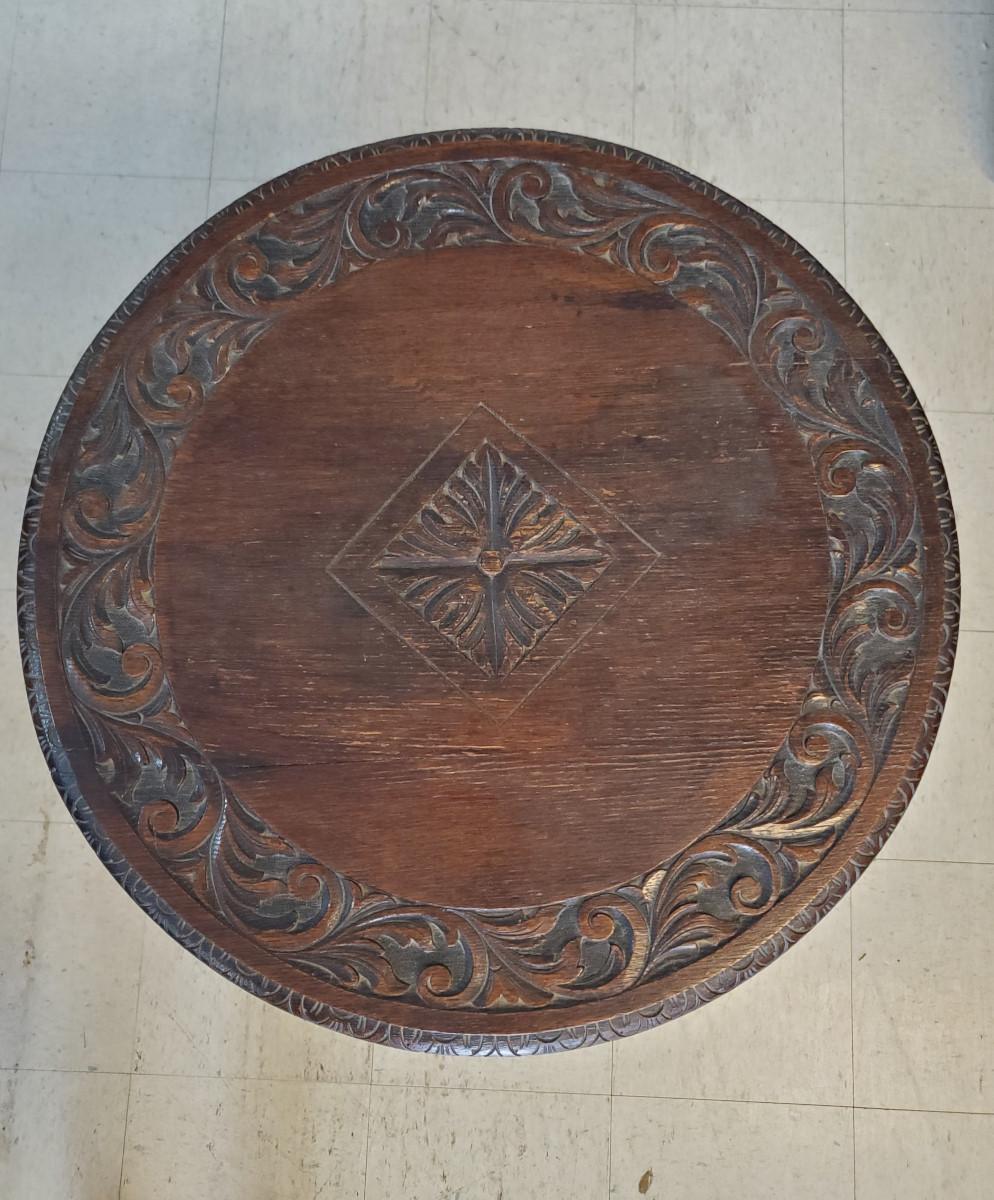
column 488, row 592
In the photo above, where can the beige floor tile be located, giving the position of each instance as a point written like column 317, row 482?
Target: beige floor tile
column 71, row 952
column 27, row 792
column 235, row 1140
column 923, row 1155
column 344, row 74
column 61, row 1134
column 504, row 63
column 919, row 97
column 950, row 815
column 428, row 1143
column 966, row 442
column 71, row 249
column 820, row 228
column 925, row 278
column 664, row 1148
column 191, row 1021
column 587, row 1071
column 111, row 86
column 785, row 1035
column 923, row 987
column 708, row 98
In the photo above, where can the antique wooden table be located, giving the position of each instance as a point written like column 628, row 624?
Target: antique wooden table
column 488, row 592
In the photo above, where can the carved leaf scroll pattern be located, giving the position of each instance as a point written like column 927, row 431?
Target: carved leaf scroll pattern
column 492, row 561
column 339, row 929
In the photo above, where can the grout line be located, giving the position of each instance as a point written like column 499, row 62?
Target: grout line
column 610, row 1125
column 729, row 1100
column 958, row 412
column 124, row 1137
column 845, row 283
column 217, row 105
column 369, row 1113
column 986, row 208
column 692, row 1099
column 845, row 237
column 8, row 90
column 750, row 200
column 855, row 1185
column 18, row 1070
column 895, row 203
column 778, row 8
column 41, row 820
column 138, row 1001
column 949, row 1112
column 131, row 1073
column 887, row 12
column 941, row 862
column 102, row 175
column 636, row 16
column 753, row 200
column 853, row 1113
column 578, row 4
column 208, row 1076
column 346, row 1083
column 945, row 1112
column 424, row 104
column 852, row 1043
column 30, row 375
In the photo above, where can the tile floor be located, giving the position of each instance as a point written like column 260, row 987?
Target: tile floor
column 862, row 1064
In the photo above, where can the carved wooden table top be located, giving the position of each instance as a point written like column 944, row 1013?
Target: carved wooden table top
column 488, row 592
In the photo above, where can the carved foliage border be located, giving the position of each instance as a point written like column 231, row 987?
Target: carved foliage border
column 335, row 927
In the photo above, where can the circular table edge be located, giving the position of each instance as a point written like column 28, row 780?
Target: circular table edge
column 563, row 1037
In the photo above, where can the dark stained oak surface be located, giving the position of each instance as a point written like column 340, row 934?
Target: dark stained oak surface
column 488, row 592
column 466, row 795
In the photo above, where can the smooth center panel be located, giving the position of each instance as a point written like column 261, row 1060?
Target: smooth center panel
column 491, row 576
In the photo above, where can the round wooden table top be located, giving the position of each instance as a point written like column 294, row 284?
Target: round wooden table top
column 488, row 592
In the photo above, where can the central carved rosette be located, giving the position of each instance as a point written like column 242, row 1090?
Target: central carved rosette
column 492, row 561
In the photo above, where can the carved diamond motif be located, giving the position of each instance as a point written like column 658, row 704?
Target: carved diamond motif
column 492, row 561
column 492, row 564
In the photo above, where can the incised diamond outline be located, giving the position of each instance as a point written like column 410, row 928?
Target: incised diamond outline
column 493, row 565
